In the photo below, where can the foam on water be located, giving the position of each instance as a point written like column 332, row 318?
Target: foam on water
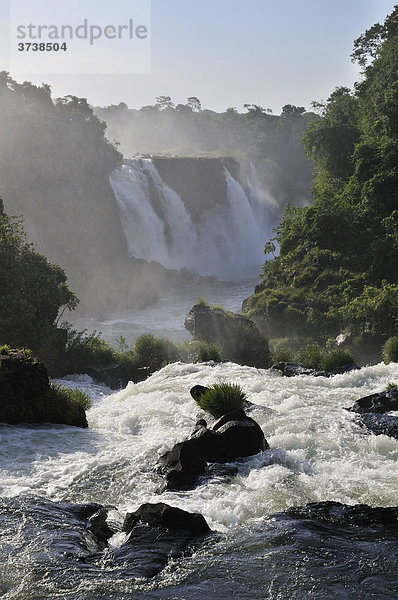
column 318, row 450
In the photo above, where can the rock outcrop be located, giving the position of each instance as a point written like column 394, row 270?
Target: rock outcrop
column 25, row 393
column 233, row 436
column 372, row 410
column 236, row 335
column 69, row 539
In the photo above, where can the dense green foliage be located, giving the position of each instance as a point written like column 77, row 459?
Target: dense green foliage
column 199, row 351
column 33, row 292
column 390, row 350
column 271, row 142
column 152, row 352
column 313, row 356
column 337, row 267
column 89, row 353
column 222, row 398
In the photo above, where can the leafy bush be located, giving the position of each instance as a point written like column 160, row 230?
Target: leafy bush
column 208, row 352
column 390, row 350
column 284, row 355
column 391, row 386
column 152, row 352
column 336, row 359
column 84, row 351
column 70, row 398
column 222, row 398
column 314, row 357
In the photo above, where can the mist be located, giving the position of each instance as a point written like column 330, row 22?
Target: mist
column 127, row 232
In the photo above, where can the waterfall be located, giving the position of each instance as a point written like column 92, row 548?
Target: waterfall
column 227, row 241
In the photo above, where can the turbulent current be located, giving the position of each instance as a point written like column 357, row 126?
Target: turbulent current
column 318, row 452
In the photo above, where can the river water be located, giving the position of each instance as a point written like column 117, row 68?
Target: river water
column 318, row 452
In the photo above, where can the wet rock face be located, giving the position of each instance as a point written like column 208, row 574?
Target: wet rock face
column 233, row 436
column 342, row 515
column 24, row 393
column 169, row 517
column 373, row 411
column 236, row 335
column 23, row 386
column 68, row 539
column 381, row 402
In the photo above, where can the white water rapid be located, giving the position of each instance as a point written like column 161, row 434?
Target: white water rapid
column 227, row 242
column 318, row 452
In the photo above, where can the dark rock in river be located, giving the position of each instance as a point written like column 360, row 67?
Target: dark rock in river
column 233, row 436
column 236, row 335
column 25, row 393
column 169, row 517
column 377, row 403
column 372, row 410
column 65, row 540
column 289, row 369
column 342, row 515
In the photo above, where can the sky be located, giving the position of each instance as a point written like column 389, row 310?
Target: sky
column 225, row 52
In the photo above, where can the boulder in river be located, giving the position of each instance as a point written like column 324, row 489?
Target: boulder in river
column 380, row 402
column 233, row 436
column 373, row 411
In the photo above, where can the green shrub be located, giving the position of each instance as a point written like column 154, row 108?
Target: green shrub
column 206, row 352
column 68, row 397
column 202, row 302
column 84, row 351
column 310, row 356
column 336, row 359
column 284, row 355
column 222, row 398
column 314, row 357
column 152, row 352
column 390, row 350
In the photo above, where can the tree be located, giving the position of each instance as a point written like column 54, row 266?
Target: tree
column 164, row 102
column 194, row 104
column 289, row 110
column 33, row 290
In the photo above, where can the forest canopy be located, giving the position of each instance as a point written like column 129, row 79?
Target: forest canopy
column 337, row 267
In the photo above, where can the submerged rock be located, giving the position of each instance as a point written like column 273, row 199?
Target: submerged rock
column 233, row 436
column 342, row 515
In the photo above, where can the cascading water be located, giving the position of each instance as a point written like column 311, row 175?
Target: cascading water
column 227, row 242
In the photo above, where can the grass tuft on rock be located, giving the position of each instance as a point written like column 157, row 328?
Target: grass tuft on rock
column 65, row 405
column 222, row 398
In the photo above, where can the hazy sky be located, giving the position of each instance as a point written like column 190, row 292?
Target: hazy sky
column 229, row 52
